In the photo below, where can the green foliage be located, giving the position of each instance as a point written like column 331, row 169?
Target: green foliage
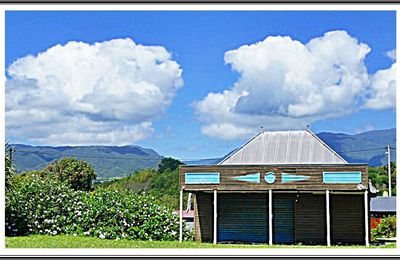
column 9, row 166
column 386, row 229
column 162, row 185
column 379, row 178
column 78, row 173
column 39, row 205
column 46, row 205
column 168, row 164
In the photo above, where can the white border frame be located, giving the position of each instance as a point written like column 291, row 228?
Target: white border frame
column 188, row 251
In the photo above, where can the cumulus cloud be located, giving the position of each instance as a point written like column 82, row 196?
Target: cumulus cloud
column 383, row 89
column 106, row 93
column 286, row 84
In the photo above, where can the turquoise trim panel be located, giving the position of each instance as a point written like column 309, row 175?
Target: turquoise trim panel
column 202, row 178
column 341, row 177
column 270, row 177
column 255, row 178
column 286, row 177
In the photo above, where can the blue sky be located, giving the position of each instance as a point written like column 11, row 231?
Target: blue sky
column 197, row 41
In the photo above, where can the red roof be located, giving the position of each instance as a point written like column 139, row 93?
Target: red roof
column 185, row 214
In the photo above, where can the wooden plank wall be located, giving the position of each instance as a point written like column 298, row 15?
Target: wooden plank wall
column 310, row 214
column 203, row 217
column 313, row 174
column 347, row 219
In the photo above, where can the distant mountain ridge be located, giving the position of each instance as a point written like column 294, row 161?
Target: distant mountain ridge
column 120, row 161
column 367, row 147
column 107, row 161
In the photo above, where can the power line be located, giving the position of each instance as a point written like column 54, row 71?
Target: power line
column 363, row 150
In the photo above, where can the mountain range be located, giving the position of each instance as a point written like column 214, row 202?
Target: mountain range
column 107, row 161
column 118, row 161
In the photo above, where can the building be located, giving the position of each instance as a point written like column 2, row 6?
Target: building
column 281, row 187
column 187, row 217
column 381, row 207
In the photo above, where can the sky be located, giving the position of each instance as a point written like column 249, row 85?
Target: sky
column 195, row 84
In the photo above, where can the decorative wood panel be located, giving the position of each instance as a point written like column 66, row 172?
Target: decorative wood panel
column 276, row 177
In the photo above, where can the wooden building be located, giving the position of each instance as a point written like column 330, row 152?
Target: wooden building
column 281, row 187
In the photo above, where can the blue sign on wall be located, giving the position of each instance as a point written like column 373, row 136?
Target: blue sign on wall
column 202, row 178
column 341, row 177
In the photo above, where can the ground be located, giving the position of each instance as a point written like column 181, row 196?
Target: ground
column 62, row 241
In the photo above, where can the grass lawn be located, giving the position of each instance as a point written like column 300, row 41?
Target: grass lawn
column 62, row 241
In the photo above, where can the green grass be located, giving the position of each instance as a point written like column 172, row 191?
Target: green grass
column 62, row 241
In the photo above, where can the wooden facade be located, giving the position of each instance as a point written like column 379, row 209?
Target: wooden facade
column 274, row 177
column 298, row 203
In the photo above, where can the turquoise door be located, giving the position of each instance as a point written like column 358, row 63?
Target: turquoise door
column 242, row 218
column 283, row 218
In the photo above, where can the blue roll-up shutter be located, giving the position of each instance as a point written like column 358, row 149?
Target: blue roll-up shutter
column 242, row 218
column 283, row 218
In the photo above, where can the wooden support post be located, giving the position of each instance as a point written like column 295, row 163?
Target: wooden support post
column 328, row 221
column 180, row 216
column 270, row 225
column 215, row 217
column 366, row 218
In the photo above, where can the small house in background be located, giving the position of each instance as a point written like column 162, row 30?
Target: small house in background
column 187, row 217
column 381, row 207
column 281, row 187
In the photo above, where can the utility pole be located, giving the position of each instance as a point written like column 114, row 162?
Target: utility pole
column 389, row 171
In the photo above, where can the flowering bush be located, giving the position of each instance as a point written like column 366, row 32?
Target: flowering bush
column 47, row 206
column 386, row 229
column 39, row 205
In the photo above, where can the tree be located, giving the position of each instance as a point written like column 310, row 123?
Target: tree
column 379, row 177
column 9, row 166
column 168, row 163
column 78, row 173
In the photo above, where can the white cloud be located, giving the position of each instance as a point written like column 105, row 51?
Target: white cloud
column 105, row 93
column 383, row 89
column 285, row 84
column 226, row 131
column 391, row 54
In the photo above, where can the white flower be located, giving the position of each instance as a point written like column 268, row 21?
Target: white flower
column 102, row 236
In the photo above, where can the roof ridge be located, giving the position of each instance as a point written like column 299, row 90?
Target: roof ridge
column 240, row 148
column 327, row 146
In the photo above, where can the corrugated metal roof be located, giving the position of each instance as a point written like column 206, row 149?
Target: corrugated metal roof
column 383, row 204
column 284, row 147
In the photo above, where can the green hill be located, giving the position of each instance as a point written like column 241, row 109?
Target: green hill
column 368, row 147
column 107, row 161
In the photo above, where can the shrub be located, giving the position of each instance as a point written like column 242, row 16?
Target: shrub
column 45, row 205
column 39, row 205
column 386, row 229
column 76, row 172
